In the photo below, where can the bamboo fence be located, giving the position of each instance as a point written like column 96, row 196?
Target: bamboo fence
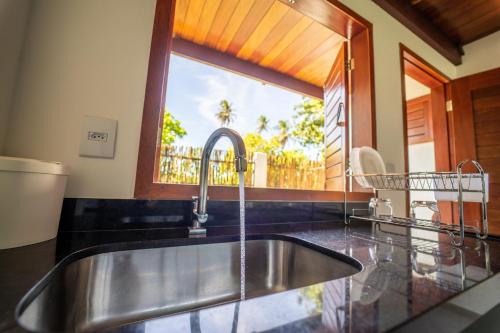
column 181, row 165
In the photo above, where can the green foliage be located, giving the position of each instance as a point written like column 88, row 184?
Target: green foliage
column 262, row 124
column 307, row 129
column 171, row 129
column 294, row 154
column 314, row 295
column 287, row 168
column 254, row 142
column 226, row 114
column 309, row 123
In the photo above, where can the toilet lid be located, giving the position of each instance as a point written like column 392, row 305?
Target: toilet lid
column 15, row 164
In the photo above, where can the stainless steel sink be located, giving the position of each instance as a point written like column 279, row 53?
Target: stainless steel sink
column 111, row 289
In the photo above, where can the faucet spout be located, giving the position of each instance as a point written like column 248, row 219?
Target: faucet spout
column 240, row 164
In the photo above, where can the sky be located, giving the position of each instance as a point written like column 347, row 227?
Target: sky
column 194, row 91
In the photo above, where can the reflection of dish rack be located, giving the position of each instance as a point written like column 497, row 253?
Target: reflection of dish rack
column 421, row 245
column 441, row 253
column 457, row 182
column 450, row 282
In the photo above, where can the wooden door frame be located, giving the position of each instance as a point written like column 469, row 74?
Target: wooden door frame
column 420, row 70
column 331, row 13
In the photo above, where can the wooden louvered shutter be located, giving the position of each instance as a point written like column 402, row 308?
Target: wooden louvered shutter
column 335, row 101
column 419, row 120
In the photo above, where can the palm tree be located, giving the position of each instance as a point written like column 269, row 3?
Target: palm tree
column 284, row 135
column 226, row 113
column 263, row 124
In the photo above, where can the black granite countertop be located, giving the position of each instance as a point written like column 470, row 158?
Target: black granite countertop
column 402, row 277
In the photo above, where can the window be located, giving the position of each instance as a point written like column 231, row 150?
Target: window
column 283, row 130
column 300, row 58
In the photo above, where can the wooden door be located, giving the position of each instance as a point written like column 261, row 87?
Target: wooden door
column 476, row 128
column 335, row 101
column 486, row 106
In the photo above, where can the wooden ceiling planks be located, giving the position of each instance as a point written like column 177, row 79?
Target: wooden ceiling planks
column 446, row 25
column 287, row 39
column 328, row 48
column 240, row 12
column 210, row 9
column 249, row 23
column 265, row 32
column 464, row 21
column 263, row 29
column 302, row 46
column 192, row 18
column 218, row 24
column 287, row 23
column 315, row 68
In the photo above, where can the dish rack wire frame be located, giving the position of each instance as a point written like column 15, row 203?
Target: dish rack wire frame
column 430, row 181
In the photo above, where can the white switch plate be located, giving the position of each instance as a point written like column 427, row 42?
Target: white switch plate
column 98, row 137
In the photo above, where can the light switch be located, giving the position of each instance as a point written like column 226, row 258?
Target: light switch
column 98, row 137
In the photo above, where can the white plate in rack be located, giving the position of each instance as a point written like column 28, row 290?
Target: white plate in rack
column 366, row 160
column 356, row 168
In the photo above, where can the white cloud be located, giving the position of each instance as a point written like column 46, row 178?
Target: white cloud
column 249, row 98
column 195, row 91
column 207, row 103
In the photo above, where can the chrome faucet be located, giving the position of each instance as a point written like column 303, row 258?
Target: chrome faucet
column 240, row 163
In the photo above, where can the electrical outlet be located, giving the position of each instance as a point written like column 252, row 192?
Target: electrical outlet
column 98, row 136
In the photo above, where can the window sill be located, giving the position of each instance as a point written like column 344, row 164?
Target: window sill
column 186, row 192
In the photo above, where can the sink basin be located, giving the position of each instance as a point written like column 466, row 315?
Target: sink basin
column 106, row 290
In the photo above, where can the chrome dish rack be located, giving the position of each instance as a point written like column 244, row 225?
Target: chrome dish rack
column 455, row 182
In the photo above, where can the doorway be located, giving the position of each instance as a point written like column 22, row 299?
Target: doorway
column 425, row 127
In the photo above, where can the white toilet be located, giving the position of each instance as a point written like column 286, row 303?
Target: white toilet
column 31, row 196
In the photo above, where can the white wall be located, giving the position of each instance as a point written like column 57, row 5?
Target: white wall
column 481, row 55
column 83, row 57
column 13, row 21
column 414, row 89
column 421, row 159
column 420, row 156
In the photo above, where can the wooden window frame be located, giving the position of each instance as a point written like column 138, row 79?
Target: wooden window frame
column 330, row 13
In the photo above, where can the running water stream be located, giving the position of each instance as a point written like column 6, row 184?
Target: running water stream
column 241, row 175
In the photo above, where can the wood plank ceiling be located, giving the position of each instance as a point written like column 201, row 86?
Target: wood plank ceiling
column 264, row 32
column 464, row 21
column 446, row 25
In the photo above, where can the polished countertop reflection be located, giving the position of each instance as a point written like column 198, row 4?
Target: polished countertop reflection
column 404, row 274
